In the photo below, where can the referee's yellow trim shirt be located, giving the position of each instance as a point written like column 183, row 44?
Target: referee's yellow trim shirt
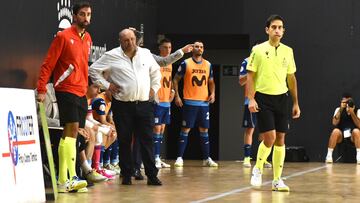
column 271, row 66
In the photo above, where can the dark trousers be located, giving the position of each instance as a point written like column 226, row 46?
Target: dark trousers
column 136, row 154
column 134, row 118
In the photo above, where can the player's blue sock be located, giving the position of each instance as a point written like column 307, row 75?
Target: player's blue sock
column 106, row 155
column 205, row 146
column 157, row 144
column 182, row 143
column 114, row 155
column 247, row 150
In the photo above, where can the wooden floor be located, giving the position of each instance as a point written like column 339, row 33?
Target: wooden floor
column 309, row 182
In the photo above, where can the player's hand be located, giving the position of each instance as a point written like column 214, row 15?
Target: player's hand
column 350, row 110
column 84, row 133
column 172, row 96
column 295, row 111
column 178, row 102
column 253, row 106
column 211, row 98
column 40, row 97
column 188, row 48
column 114, row 89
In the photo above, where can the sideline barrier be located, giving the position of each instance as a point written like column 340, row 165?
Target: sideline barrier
column 53, row 195
column 21, row 170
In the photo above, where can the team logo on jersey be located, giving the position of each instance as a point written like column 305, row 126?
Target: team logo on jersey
column 284, row 63
column 197, row 81
column 166, row 82
column 102, row 107
column 156, row 120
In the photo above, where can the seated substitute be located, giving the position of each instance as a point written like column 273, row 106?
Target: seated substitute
column 347, row 123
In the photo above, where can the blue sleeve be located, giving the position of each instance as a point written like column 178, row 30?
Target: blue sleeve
column 98, row 105
column 182, row 69
column 243, row 68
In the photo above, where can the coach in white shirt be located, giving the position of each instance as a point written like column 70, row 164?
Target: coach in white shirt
column 133, row 78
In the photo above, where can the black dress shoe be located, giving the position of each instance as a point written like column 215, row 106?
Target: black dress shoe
column 126, row 180
column 154, row 181
column 137, row 175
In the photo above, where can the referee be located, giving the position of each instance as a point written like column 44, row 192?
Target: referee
column 271, row 75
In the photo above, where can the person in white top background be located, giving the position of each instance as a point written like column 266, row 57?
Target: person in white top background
column 346, row 122
column 134, row 80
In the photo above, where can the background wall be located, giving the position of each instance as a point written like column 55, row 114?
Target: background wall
column 325, row 36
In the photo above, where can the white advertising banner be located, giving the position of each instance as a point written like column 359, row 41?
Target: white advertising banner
column 21, row 178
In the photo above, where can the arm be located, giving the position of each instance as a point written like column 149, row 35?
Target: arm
column 242, row 79
column 337, row 114
column 175, row 83
column 354, row 116
column 48, row 66
column 172, row 58
column 155, row 78
column 212, row 90
column 253, row 106
column 96, row 73
column 291, row 81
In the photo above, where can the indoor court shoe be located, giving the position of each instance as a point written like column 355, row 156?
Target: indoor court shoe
column 158, row 163
column 267, row 164
column 256, row 177
column 247, row 163
column 279, row 185
column 137, row 175
column 126, row 180
column 81, row 190
column 210, row 163
column 111, row 167
column 76, row 183
column 328, row 160
column 104, row 173
column 165, row 165
column 154, row 181
column 95, row 177
column 179, row 162
column 62, row 188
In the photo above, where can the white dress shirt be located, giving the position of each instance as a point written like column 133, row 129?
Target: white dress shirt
column 134, row 77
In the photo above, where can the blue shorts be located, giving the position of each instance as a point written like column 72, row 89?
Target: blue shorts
column 249, row 119
column 162, row 115
column 195, row 115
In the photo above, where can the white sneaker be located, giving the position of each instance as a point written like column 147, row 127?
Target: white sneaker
column 256, row 177
column 279, row 185
column 110, row 172
column 267, row 164
column 165, row 165
column 62, row 188
column 328, row 160
column 158, row 163
column 247, row 163
column 179, row 162
column 111, row 167
column 210, row 163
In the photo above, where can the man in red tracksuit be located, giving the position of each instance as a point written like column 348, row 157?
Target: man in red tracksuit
column 67, row 61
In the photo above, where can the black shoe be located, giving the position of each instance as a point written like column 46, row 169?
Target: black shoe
column 154, row 181
column 126, row 180
column 137, row 175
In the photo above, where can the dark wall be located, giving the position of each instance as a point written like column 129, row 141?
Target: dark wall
column 325, row 36
column 28, row 28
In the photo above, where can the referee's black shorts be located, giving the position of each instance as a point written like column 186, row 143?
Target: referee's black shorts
column 273, row 113
column 72, row 108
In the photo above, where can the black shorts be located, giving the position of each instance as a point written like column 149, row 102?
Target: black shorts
column 273, row 113
column 249, row 119
column 72, row 108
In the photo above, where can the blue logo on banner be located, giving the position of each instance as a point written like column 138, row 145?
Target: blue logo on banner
column 12, row 135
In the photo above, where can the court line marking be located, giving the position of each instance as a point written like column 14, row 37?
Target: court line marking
column 250, row 187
